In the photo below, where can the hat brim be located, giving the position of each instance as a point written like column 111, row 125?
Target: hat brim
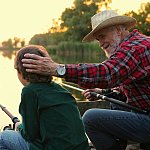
column 117, row 20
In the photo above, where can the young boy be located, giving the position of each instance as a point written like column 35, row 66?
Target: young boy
column 50, row 117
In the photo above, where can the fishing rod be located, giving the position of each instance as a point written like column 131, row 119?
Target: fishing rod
column 12, row 117
column 72, row 87
column 112, row 100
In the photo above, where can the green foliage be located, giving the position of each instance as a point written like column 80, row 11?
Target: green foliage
column 143, row 18
column 78, row 46
column 75, row 46
column 41, row 39
column 77, row 52
column 73, row 25
column 56, row 38
column 47, row 39
column 77, row 20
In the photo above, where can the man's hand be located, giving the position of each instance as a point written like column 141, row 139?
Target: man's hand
column 87, row 93
column 41, row 65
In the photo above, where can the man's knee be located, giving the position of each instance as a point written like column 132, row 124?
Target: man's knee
column 3, row 138
column 87, row 117
column 8, row 136
column 4, row 135
column 11, row 139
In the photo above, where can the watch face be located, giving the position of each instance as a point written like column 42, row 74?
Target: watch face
column 61, row 70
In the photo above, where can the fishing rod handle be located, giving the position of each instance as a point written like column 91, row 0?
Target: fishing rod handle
column 15, row 120
column 7, row 112
column 98, row 96
column 118, row 102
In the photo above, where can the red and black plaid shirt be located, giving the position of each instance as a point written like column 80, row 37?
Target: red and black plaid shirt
column 127, row 68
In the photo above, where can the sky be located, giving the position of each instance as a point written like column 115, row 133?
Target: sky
column 25, row 18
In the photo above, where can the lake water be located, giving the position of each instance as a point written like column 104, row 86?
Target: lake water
column 10, row 89
column 10, row 86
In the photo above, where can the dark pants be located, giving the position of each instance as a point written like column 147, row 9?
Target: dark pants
column 111, row 129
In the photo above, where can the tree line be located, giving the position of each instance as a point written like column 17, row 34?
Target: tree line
column 13, row 43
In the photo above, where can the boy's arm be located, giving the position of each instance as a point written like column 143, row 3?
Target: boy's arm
column 28, row 110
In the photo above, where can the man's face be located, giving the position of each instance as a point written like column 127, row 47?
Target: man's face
column 108, row 39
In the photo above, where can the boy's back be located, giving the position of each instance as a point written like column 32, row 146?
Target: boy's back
column 51, row 117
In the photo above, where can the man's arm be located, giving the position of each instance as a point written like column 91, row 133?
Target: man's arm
column 108, row 74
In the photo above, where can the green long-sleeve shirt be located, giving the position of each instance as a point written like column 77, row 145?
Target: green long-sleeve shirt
column 50, row 118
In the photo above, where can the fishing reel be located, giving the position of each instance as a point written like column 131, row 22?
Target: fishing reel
column 13, row 118
column 8, row 127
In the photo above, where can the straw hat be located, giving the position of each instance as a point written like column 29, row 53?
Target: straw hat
column 108, row 18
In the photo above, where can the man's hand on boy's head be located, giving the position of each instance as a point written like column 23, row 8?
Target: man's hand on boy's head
column 40, row 65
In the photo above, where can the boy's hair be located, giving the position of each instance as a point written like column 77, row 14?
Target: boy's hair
column 31, row 77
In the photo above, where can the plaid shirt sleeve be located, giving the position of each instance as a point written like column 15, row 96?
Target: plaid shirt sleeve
column 128, row 67
column 119, row 69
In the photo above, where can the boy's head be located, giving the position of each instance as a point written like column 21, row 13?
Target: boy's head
column 18, row 65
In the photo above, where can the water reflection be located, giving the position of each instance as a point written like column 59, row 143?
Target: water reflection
column 78, row 56
column 7, row 53
column 11, row 87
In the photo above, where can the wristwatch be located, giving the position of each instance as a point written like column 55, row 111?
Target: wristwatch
column 61, row 70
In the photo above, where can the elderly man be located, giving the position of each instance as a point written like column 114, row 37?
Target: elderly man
column 127, row 68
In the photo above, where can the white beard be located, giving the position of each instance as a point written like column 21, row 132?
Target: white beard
column 113, row 46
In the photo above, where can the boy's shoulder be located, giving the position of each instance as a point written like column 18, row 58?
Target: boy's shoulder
column 41, row 87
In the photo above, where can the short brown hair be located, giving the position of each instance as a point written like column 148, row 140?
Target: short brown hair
column 31, row 77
